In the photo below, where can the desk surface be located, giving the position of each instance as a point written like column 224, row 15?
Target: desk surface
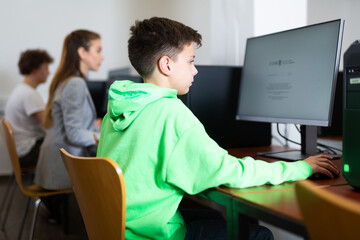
column 274, row 204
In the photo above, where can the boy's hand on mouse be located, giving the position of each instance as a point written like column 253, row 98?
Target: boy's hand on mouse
column 322, row 164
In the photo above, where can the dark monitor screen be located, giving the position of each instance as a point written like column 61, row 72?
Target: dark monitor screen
column 290, row 77
column 97, row 91
column 212, row 98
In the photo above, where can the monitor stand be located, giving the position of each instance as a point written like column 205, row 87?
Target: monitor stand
column 308, row 146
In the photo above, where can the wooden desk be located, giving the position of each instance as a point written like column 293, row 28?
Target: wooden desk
column 276, row 205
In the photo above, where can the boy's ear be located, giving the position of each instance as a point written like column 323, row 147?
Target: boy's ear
column 164, row 65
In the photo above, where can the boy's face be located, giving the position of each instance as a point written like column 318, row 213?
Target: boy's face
column 184, row 70
column 42, row 72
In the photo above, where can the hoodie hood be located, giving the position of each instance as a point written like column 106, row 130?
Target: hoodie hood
column 127, row 99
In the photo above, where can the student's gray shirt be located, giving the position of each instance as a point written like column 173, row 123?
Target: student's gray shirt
column 23, row 102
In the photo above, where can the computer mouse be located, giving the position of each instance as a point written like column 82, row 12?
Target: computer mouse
column 320, row 176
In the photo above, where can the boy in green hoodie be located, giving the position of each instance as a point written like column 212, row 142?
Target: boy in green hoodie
column 162, row 148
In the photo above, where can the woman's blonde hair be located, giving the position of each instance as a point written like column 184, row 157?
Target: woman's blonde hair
column 69, row 65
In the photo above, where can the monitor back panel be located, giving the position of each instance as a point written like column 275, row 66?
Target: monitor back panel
column 213, row 99
column 97, row 91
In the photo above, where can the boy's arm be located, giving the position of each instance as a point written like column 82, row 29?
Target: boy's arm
column 39, row 116
column 198, row 163
column 34, row 105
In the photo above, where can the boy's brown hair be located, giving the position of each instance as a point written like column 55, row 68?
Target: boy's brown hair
column 32, row 59
column 156, row 37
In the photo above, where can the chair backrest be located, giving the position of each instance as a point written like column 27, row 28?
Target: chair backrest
column 327, row 215
column 11, row 148
column 99, row 187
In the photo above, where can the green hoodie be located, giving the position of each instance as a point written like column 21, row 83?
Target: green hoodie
column 164, row 152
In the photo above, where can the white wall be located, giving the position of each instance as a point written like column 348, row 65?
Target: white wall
column 44, row 24
column 231, row 23
column 278, row 15
column 345, row 9
column 195, row 14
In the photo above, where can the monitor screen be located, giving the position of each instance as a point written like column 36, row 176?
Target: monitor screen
column 290, row 76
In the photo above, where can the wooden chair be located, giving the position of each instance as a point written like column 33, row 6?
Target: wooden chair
column 326, row 215
column 99, row 188
column 31, row 191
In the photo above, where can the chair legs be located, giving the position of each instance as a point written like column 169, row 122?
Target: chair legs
column 9, row 195
column 7, row 202
column 36, row 210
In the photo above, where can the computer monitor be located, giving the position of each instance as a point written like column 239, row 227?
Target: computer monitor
column 97, row 89
column 212, row 98
column 290, row 77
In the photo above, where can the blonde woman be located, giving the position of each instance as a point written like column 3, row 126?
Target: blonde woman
column 70, row 115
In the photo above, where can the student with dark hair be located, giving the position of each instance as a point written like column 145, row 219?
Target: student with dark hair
column 70, row 115
column 25, row 107
column 163, row 149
